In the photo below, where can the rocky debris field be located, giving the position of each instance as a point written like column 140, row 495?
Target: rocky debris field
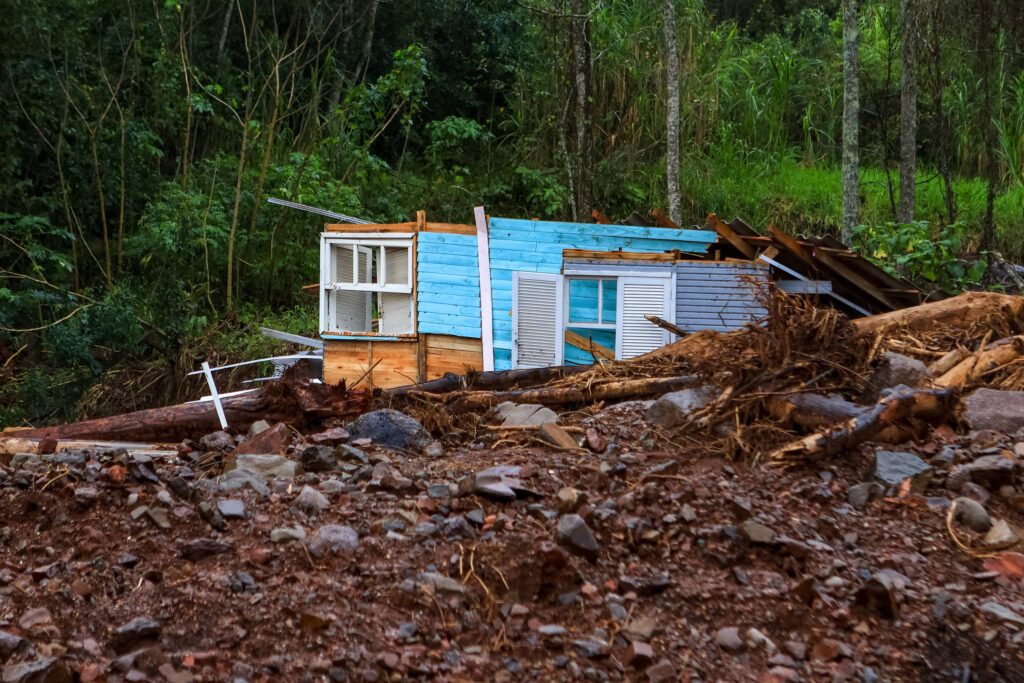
column 344, row 559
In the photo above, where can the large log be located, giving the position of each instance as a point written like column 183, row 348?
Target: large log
column 492, row 380
column 994, row 355
column 959, row 311
column 812, row 411
column 933, row 406
column 292, row 399
column 608, row 391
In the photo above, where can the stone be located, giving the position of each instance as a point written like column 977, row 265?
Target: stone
column 318, row 459
column 728, row 639
column 570, row 499
column 159, row 517
column 42, row 670
column 390, row 428
column 332, row 538
column 257, row 427
column 757, row 639
column 211, row 516
column 863, row 493
column 311, row 501
column 523, row 415
column 893, row 370
column 235, row 480
column 268, row 442
column 231, row 508
column 675, row 408
column 287, row 534
column 640, row 654
column 1000, row 534
column 972, row 515
column 37, row 619
column 331, row 437
column 500, row 482
column 1002, row 411
column 878, row 595
column 217, row 441
column 347, row 453
column 201, row 548
column 266, row 466
column 11, row 644
column 756, row 532
column 992, row 471
column 458, row 527
column 439, row 583
column 796, row 649
column 139, row 628
column 892, row 468
column 661, row 672
column 574, row 533
column 1002, row 613
column 553, row 434
column 86, row 495
column 639, row 628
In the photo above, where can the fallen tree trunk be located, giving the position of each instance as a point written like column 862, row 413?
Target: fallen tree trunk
column 292, row 399
column 932, row 406
column 609, row 391
column 959, row 311
column 812, row 411
column 492, row 380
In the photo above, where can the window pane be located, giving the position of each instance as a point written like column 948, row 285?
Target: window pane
column 583, row 301
column 577, row 356
column 609, row 305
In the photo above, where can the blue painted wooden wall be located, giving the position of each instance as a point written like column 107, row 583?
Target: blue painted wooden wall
column 536, row 246
column 448, row 284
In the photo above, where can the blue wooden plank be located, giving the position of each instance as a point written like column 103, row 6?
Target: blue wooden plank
column 593, row 229
column 439, row 290
column 444, row 278
column 465, row 307
column 447, row 238
column 454, row 330
column 449, row 253
column 451, row 269
column 451, row 318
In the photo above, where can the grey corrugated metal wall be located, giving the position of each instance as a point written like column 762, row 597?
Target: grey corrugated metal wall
column 716, row 295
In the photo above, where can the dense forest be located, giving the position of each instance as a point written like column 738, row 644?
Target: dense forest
column 140, row 140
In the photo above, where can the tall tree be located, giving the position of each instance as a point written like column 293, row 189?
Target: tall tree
column 672, row 90
column 851, row 118
column 583, row 120
column 908, row 113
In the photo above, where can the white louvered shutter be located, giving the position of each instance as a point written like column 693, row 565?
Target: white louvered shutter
column 536, row 320
column 639, row 297
column 395, row 313
column 351, row 310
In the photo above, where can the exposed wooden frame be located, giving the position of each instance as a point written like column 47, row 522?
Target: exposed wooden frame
column 730, row 236
column 593, row 348
column 412, row 226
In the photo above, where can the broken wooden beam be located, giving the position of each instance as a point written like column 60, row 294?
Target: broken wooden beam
column 730, row 236
column 608, row 391
column 588, row 345
column 666, row 325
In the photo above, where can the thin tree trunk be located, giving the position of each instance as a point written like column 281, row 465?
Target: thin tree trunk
column 851, row 118
column 908, row 114
column 672, row 88
column 234, row 215
column 228, row 11
column 580, row 22
column 987, row 35
column 103, row 210
column 371, row 20
column 188, row 96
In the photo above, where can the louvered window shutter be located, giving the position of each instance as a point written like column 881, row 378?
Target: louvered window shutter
column 639, row 297
column 536, row 320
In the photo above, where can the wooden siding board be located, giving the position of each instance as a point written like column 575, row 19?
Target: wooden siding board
column 448, row 284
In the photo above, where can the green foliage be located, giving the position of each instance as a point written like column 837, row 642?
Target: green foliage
column 925, row 255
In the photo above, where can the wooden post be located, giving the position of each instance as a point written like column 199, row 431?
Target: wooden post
column 486, row 313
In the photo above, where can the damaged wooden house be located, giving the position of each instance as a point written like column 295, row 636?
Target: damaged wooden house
column 404, row 303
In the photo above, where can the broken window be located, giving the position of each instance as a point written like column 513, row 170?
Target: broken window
column 366, row 285
column 591, row 314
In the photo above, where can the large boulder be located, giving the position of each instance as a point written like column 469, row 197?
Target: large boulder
column 390, row 428
column 1002, row 411
column 676, row 408
column 895, row 369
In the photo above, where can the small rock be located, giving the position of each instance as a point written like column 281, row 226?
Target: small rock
column 238, row 479
column 878, row 595
column 1002, row 411
column 552, row 433
column 641, row 628
column 42, row 670
column 318, row 459
column 755, row 532
column 992, row 471
column 266, row 466
column 231, row 508
column 640, row 654
column 257, row 427
column 500, row 482
column 861, row 494
column 311, row 501
column 661, row 672
column 893, row 370
column 1000, row 534
column 728, row 639
column 287, row 534
column 439, row 583
column 217, row 441
column 212, row 516
column 331, row 437
column 390, row 428
column 574, row 533
column 333, row 538
column 201, row 548
column 10, row 644
column 159, row 517
column 892, row 468
column 675, row 408
column 86, row 495
column 139, row 628
column 570, row 499
column 972, row 514
column 1002, row 613
column 523, row 415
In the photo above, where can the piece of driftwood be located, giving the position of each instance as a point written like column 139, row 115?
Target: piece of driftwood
column 293, row 399
column 608, row 391
column 666, row 325
column 948, row 361
column 491, row 380
column 975, row 365
column 959, row 311
column 933, row 406
column 812, row 411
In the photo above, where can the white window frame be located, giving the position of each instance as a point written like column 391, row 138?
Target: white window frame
column 559, row 281
column 599, row 325
column 358, row 242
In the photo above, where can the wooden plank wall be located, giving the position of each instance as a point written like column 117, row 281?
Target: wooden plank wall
column 349, row 360
column 447, row 353
column 536, row 246
column 447, row 284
